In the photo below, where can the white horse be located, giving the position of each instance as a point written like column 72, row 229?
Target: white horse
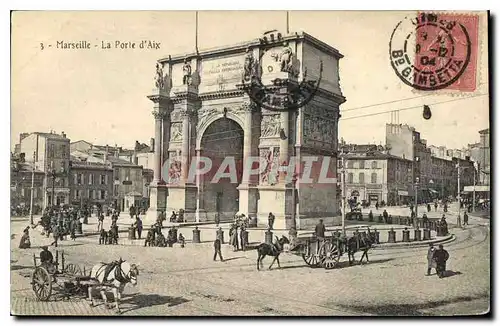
column 113, row 276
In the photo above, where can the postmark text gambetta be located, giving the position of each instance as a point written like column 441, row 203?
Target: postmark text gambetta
column 102, row 45
column 430, row 51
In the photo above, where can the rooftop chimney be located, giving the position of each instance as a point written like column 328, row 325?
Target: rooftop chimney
column 63, row 134
column 117, row 151
column 106, row 154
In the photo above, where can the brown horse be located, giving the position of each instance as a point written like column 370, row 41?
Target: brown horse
column 274, row 250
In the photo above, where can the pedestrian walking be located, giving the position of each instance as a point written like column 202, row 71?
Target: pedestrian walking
column 243, row 237
column 370, row 216
column 466, row 219
column 138, row 226
column 181, row 239
column 431, row 263
column 441, row 256
column 386, row 216
column 100, row 223
column 428, row 208
column 376, row 206
column 425, row 221
column 435, row 206
column 55, row 234
column 217, row 250
column 270, row 220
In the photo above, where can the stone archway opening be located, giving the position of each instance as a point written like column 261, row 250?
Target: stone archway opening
column 222, row 143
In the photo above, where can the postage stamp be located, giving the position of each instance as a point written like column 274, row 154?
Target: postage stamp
column 435, row 51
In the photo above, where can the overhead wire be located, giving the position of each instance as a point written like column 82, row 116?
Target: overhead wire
column 356, row 117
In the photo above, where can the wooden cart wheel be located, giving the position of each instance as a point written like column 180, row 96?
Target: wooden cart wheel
column 330, row 255
column 41, row 282
column 72, row 269
column 311, row 259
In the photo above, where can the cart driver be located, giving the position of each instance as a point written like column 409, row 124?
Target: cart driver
column 47, row 260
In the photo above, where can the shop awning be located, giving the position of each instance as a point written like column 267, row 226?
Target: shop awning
column 478, row 188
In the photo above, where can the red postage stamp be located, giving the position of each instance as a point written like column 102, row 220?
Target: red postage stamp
column 435, row 51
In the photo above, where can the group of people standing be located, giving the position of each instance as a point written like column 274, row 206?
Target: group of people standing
column 60, row 222
column 436, row 258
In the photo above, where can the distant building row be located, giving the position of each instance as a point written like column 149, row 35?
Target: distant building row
column 389, row 173
column 79, row 173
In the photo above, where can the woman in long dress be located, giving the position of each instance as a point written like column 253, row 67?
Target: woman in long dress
column 25, row 242
column 233, row 233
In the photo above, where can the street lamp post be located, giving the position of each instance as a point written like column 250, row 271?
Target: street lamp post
column 459, row 222
column 32, row 188
column 474, row 189
column 342, row 180
column 416, row 202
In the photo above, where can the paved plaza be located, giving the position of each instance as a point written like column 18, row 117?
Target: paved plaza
column 186, row 281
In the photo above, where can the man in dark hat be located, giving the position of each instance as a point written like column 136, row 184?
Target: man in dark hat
column 441, row 256
column 47, row 260
column 46, row 255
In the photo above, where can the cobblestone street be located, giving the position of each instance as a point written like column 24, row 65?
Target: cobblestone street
column 185, row 281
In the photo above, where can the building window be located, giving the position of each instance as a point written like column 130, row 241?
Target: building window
column 103, row 179
column 374, row 164
column 350, row 178
column 91, row 179
column 361, row 178
column 102, row 194
column 350, row 164
column 79, row 179
column 361, row 164
column 374, row 178
column 78, row 193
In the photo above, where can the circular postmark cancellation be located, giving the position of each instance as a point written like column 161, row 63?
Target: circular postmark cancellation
column 272, row 81
column 282, row 94
column 429, row 52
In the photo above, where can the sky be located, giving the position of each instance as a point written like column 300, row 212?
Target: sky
column 100, row 95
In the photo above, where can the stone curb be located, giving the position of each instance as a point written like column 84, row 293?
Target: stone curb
column 416, row 244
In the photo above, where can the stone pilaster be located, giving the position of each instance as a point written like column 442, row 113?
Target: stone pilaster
column 247, row 189
column 157, row 190
column 185, row 147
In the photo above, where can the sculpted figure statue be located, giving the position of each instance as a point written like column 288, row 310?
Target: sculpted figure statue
column 159, row 82
column 286, row 59
column 249, row 63
column 186, row 70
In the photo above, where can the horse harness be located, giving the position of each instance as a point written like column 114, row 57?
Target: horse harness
column 118, row 275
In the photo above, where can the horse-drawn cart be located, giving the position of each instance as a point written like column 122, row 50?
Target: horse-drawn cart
column 324, row 253
column 64, row 280
column 327, row 252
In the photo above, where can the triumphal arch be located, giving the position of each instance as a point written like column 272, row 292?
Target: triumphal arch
column 203, row 108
